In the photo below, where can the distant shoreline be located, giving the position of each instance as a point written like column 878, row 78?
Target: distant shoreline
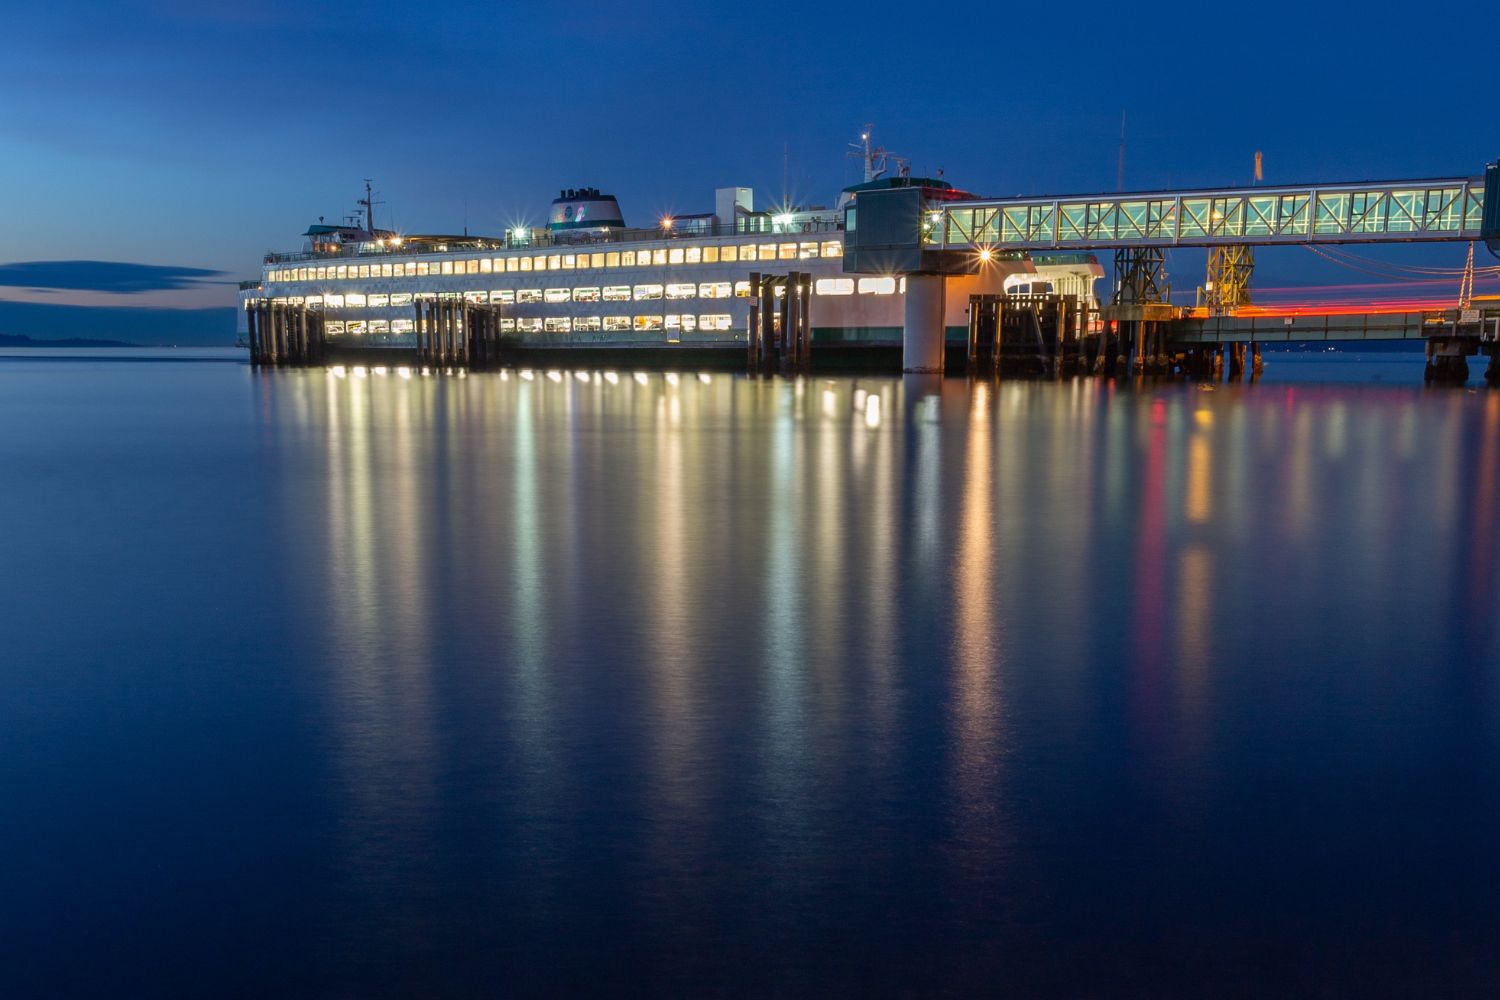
column 21, row 340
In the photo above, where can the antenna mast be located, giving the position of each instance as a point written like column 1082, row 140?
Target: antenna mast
column 368, row 203
column 873, row 156
column 1120, row 169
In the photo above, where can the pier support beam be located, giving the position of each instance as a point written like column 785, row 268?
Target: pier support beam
column 923, row 330
column 251, row 335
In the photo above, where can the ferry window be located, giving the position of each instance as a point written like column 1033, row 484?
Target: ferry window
column 807, row 250
column 684, row 290
column 710, row 255
column 303, row 273
column 554, row 261
column 386, row 270
column 902, row 287
column 586, row 324
column 768, row 251
column 411, row 269
column 529, row 324
column 714, row 321
column 355, row 327
column 616, row 293
column 364, row 270
column 627, row 258
column 333, row 301
column 689, row 322
column 507, row 326
column 731, row 253
column 585, row 295
column 648, row 322
column 512, row 264
column 313, row 300
column 833, row 248
column 320, row 274
column 694, row 255
column 334, row 327
column 379, row 301
column 354, row 300
column 558, row 295
column 659, row 257
column 502, row 295
column 525, row 263
column 477, row 298
column 528, row 295
column 674, row 255
column 422, row 268
column 569, row 261
column 539, row 263
column 715, row 290
column 447, row 267
column 834, row 286
column 343, row 272
column 877, row 286
column 787, row 251
column 399, row 326
column 380, row 326
column 742, row 289
column 485, row 266
column 401, row 298
column 596, row 260
column 617, row 322
column 612, row 259
column 674, row 321
column 646, row 292
column 558, row 324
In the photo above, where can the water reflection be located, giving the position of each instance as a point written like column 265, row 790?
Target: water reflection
column 639, row 654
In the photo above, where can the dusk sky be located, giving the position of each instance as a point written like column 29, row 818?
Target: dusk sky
column 194, row 137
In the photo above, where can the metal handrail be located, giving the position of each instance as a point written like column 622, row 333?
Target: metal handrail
column 541, row 239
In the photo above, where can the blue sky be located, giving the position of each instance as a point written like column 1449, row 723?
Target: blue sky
column 188, row 135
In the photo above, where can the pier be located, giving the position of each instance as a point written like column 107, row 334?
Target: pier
column 934, row 252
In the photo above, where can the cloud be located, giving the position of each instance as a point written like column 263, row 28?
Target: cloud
column 104, row 276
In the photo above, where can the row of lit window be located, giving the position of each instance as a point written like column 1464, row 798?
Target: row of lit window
column 662, row 256
column 606, row 293
column 672, row 322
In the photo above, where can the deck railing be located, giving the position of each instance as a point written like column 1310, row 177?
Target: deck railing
column 541, row 239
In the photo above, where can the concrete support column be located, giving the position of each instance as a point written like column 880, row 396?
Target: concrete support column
column 924, row 328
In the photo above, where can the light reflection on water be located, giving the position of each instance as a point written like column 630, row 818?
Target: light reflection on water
column 713, row 684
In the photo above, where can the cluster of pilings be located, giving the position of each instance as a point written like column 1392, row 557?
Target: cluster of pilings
column 442, row 334
column 451, row 333
column 1453, row 338
column 780, row 328
column 1133, row 341
column 481, row 325
column 1228, row 362
column 284, row 334
column 1036, row 335
column 1048, row 336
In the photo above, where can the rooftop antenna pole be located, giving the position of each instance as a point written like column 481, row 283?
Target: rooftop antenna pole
column 785, row 157
column 369, row 203
column 1120, row 170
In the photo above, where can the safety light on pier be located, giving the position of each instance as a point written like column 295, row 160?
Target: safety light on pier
column 666, row 222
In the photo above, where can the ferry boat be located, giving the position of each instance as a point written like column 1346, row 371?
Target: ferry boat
column 586, row 279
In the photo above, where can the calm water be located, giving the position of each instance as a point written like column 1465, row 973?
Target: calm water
column 375, row 686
